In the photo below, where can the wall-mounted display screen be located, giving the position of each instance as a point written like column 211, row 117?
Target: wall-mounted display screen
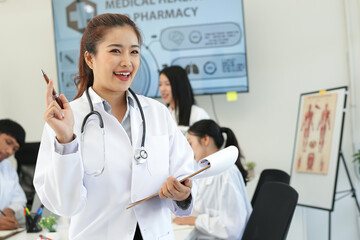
column 205, row 37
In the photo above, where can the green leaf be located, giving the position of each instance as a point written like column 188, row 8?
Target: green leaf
column 250, row 165
column 356, row 157
column 48, row 223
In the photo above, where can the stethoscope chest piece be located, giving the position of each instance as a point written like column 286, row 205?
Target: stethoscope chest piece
column 140, row 155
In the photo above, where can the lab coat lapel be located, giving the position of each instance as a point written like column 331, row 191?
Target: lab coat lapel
column 136, row 126
column 140, row 172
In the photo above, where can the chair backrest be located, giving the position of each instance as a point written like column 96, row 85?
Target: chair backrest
column 270, row 175
column 26, row 160
column 272, row 212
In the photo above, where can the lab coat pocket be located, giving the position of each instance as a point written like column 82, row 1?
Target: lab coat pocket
column 167, row 236
column 92, row 148
column 158, row 149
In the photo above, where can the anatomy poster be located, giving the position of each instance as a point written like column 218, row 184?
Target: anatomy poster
column 194, row 34
column 317, row 148
column 315, row 133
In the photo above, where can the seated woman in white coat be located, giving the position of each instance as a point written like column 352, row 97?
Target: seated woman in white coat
column 176, row 91
column 109, row 147
column 222, row 207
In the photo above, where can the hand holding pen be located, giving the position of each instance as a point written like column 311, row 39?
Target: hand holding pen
column 54, row 94
column 3, row 213
column 8, row 220
column 60, row 119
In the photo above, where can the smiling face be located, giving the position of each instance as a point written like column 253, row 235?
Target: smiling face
column 116, row 61
column 165, row 90
column 8, row 146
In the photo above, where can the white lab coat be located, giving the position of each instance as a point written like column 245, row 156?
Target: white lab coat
column 222, row 207
column 11, row 194
column 97, row 205
column 197, row 113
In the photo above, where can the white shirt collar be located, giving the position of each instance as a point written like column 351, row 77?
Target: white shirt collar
column 95, row 98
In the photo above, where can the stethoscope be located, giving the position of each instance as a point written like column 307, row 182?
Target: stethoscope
column 140, row 154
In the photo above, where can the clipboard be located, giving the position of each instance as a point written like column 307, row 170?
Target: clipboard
column 218, row 161
column 155, row 194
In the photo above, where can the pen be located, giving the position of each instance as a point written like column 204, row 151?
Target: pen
column 55, row 95
column 27, row 211
column 3, row 213
column 44, row 237
column 38, row 212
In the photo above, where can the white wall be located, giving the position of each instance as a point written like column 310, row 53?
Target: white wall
column 293, row 47
column 27, row 45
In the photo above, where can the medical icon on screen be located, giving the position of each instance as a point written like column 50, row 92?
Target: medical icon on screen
column 79, row 13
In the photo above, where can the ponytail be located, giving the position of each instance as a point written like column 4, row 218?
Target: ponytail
column 213, row 130
column 231, row 140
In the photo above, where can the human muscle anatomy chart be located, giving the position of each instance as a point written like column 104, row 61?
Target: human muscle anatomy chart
column 315, row 133
column 317, row 149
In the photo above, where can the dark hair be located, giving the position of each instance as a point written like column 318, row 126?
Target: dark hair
column 92, row 36
column 181, row 92
column 13, row 129
column 213, row 130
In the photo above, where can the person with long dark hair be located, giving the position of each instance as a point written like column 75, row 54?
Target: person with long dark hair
column 176, row 92
column 222, row 207
column 111, row 147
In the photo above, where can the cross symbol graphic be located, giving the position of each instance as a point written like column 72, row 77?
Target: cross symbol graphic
column 79, row 13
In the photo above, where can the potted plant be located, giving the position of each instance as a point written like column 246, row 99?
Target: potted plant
column 48, row 223
column 250, row 168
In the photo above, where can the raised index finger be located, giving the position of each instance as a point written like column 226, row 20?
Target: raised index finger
column 49, row 91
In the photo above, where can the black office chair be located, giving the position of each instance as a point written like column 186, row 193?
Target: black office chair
column 270, row 175
column 272, row 213
column 26, row 160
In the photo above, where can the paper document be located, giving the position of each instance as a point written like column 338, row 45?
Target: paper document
column 219, row 161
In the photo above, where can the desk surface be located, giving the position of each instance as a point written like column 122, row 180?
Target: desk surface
column 62, row 234
column 180, row 231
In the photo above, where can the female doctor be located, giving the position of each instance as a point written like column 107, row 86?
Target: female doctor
column 92, row 177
